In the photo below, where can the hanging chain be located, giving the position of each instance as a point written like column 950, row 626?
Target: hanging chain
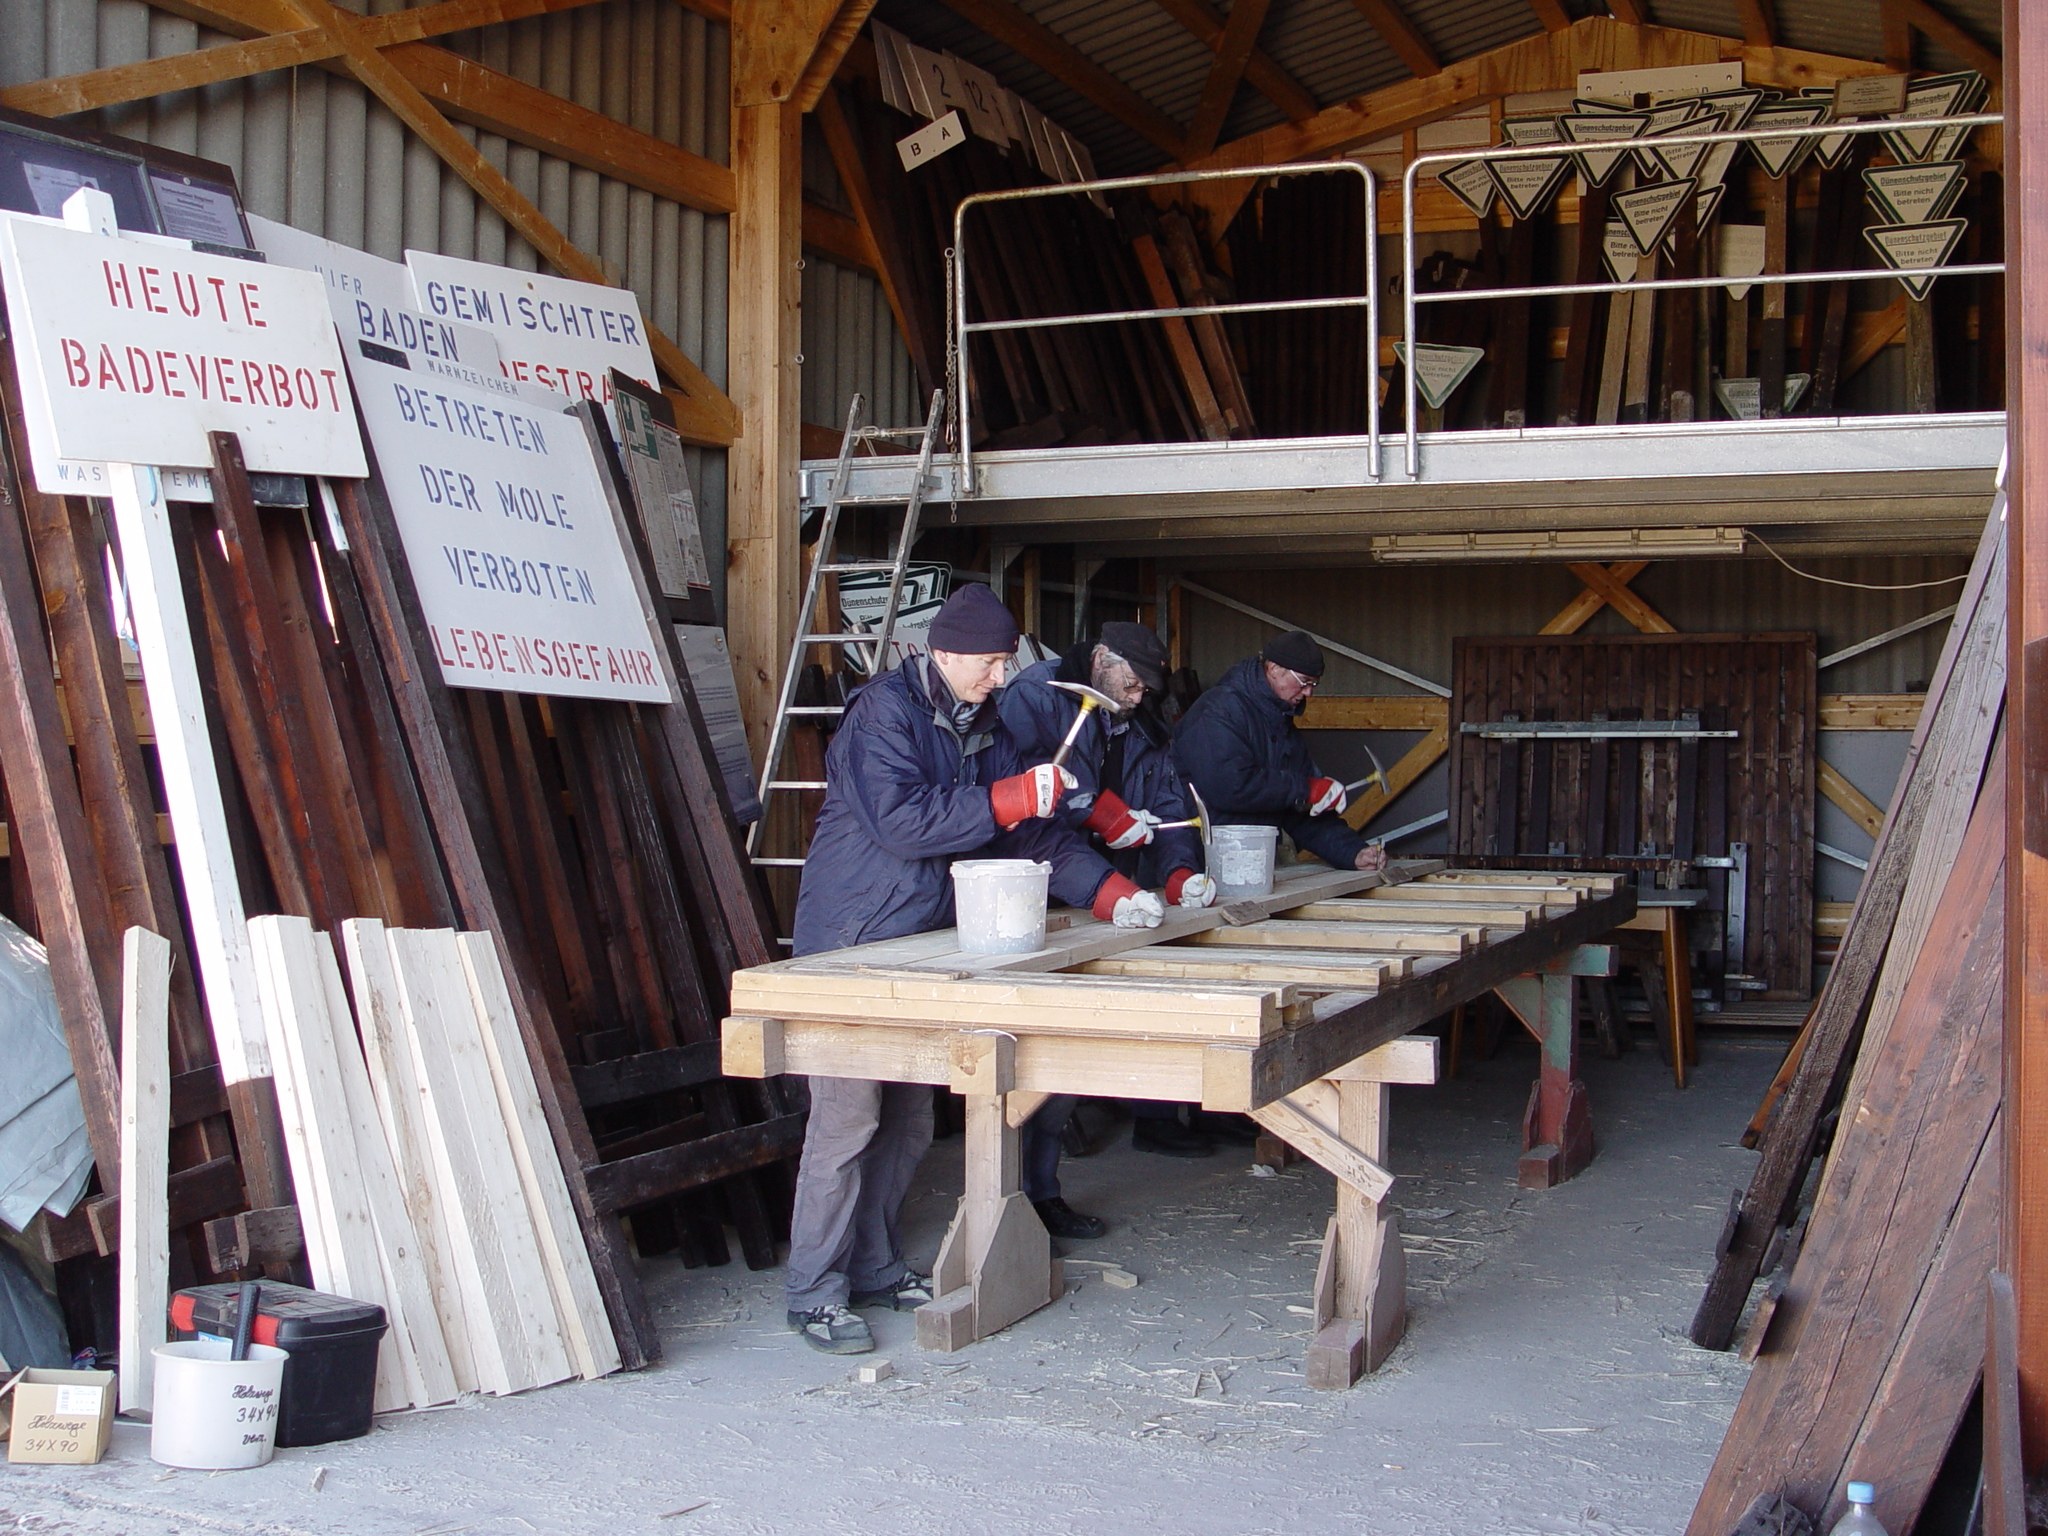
column 952, row 429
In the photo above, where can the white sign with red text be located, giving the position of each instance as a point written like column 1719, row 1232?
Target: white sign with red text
column 552, row 331
column 131, row 352
column 510, row 536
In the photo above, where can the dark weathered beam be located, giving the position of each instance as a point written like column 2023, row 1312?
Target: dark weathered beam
column 1016, row 30
column 1260, row 72
column 1399, row 34
column 1233, row 52
column 634, row 1181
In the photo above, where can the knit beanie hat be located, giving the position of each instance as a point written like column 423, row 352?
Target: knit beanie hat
column 1141, row 648
column 974, row 622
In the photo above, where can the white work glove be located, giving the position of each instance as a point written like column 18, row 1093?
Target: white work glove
column 1144, row 910
column 1197, row 891
column 1137, row 833
column 1326, row 795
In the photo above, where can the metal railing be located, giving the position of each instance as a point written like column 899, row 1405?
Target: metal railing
column 963, row 328
column 1368, row 301
column 1567, row 150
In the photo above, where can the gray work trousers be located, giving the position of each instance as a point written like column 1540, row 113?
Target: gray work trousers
column 861, row 1150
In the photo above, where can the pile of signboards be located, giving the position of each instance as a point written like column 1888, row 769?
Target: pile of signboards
column 411, row 610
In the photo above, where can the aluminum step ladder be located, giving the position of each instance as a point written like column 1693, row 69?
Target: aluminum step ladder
column 815, row 628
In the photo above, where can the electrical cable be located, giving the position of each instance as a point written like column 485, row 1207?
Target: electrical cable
column 1861, row 586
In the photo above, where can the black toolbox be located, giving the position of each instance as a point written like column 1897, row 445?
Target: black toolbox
column 330, row 1379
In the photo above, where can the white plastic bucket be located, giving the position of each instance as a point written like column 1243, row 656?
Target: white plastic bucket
column 213, row 1413
column 999, row 905
column 1241, row 859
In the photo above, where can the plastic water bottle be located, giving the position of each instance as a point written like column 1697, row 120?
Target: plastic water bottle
column 1859, row 1520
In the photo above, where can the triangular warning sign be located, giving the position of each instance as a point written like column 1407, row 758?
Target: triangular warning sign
column 1618, row 250
column 1739, row 252
column 1673, row 117
column 1528, row 185
column 1735, row 107
column 1684, row 160
column 1914, row 194
column 1471, row 183
column 1601, row 128
column 1743, row 398
column 1905, row 246
column 1704, row 207
column 1439, row 370
column 1781, row 155
column 1524, row 131
column 1650, row 211
column 1936, row 96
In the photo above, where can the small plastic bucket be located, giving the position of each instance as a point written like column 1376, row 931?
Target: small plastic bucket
column 1000, row 905
column 1241, row 859
column 212, row 1413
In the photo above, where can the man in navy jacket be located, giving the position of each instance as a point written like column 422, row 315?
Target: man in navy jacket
column 1239, row 745
column 921, row 772
column 1125, row 786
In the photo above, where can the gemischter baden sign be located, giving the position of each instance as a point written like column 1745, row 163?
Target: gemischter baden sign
column 132, row 351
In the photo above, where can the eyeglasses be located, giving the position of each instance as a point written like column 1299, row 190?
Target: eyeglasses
column 1307, row 684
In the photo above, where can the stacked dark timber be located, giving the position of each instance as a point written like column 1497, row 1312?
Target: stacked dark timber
column 1307, row 372
column 592, row 838
column 1130, row 381
column 1870, row 1338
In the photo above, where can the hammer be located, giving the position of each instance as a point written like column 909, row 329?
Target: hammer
column 1200, row 820
column 1378, row 776
column 1091, row 699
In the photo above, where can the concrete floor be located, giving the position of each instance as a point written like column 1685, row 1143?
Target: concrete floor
column 1546, row 1384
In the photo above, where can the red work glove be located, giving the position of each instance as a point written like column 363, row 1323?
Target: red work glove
column 1185, row 888
column 1117, row 824
column 1114, row 890
column 1034, row 792
column 1326, row 795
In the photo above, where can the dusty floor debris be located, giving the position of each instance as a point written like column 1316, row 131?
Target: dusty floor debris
column 1546, row 1384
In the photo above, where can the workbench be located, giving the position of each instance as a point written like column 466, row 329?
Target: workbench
column 1297, row 1008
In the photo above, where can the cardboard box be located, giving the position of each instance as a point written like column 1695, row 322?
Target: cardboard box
column 58, row 1416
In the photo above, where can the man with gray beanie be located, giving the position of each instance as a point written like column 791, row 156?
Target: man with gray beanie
column 920, row 772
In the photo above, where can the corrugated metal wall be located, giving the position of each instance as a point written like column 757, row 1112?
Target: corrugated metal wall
column 318, row 152
column 850, row 340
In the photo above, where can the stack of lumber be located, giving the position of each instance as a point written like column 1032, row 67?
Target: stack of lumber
column 427, row 1183
column 1128, row 381
column 354, row 784
column 1869, row 1339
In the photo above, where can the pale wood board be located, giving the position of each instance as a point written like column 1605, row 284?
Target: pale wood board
column 586, row 1328
column 414, row 1321
column 1307, row 968
column 394, row 1085
column 145, row 1256
column 455, row 1077
column 341, row 1238
column 1427, row 938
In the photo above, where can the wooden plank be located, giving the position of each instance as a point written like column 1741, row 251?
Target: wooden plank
column 1390, row 712
column 1860, row 808
column 1345, row 909
column 497, row 1256
column 270, row 1235
column 145, row 1256
column 1870, row 711
column 2005, row 1477
column 1264, row 75
column 693, row 1164
column 1398, row 33
column 401, row 1109
column 626, row 1078
column 195, row 1194
column 1292, row 1122
column 1233, row 51
column 341, row 1234
column 1419, row 938
column 1412, row 765
column 1969, row 676
column 1307, row 967
column 588, row 1334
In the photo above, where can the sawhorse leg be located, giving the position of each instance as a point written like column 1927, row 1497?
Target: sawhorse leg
column 1361, row 1295
column 1557, row 1127
column 996, row 1264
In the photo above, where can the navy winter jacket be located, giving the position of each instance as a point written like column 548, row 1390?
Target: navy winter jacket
column 1143, row 775
column 908, row 795
column 1238, row 744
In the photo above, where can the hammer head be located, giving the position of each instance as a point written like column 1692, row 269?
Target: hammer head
column 1091, row 698
column 1202, row 821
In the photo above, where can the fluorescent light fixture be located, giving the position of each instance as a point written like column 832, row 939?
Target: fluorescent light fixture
column 1561, row 544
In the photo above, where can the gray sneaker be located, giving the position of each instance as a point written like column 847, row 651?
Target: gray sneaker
column 906, row 1295
column 834, row 1330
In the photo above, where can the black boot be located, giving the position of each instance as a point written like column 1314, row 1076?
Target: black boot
column 1062, row 1220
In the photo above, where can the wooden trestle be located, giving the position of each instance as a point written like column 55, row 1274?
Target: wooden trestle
column 1295, row 1008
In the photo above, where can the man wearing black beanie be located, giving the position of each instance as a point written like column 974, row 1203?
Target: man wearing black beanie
column 920, row 772
column 1239, row 746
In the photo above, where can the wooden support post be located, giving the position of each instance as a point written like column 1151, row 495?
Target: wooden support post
column 766, row 287
column 996, row 1263
column 2024, row 1232
column 1557, row 1127
column 145, row 1257
column 1770, row 332
column 1362, row 1283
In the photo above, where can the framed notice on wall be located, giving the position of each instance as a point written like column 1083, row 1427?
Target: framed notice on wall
column 657, row 466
